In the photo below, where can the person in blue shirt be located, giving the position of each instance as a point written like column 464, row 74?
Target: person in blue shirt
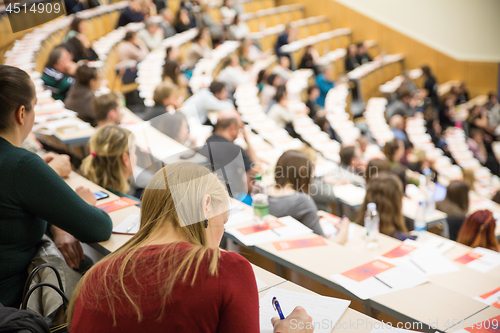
column 325, row 83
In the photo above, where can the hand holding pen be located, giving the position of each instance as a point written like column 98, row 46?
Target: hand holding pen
column 297, row 322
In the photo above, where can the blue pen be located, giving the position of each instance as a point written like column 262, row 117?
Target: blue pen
column 277, row 307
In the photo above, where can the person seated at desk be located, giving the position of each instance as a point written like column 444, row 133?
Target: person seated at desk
column 142, row 286
column 402, row 105
column 151, row 35
column 284, row 38
column 323, row 123
column 262, row 79
column 248, row 53
column 375, row 167
column 182, row 20
column 221, row 151
column 58, row 72
column 81, row 94
column 324, row 82
column 207, row 21
column 386, row 191
column 397, row 125
column 269, row 91
column 310, row 59
column 33, row 195
column 363, row 56
column 430, row 85
column 231, row 73
column 350, row 159
column 455, row 205
column 133, row 13
column 107, row 109
column 394, row 151
column 283, row 68
column 238, row 29
column 351, row 60
column 112, row 159
column 172, row 73
column 226, row 11
column 175, row 126
column 290, row 195
column 132, row 48
column 212, row 99
column 167, row 24
column 198, row 49
column 166, row 100
column 77, row 42
column 312, row 95
column 280, row 113
column 478, row 230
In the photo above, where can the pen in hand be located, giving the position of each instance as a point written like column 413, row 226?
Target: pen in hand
column 277, row 307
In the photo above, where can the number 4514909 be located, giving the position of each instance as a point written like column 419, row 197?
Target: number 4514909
column 34, row 8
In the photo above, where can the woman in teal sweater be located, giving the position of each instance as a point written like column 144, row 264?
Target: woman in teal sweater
column 32, row 194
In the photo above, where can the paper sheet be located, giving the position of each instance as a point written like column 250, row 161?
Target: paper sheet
column 480, row 259
column 491, row 298
column 291, row 228
column 237, row 216
column 325, row 311
column 260, row 284
column 130, row 225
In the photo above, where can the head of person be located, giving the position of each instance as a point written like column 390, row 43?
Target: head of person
column 130, row 36
column 274, row 80
column 281, row 95
column 361, row 48
column 107, row 109
column 135, row 5
column 182, row 16
column 457, row 193
column 167, row 15
column 386, row 191
column 284, row 62
column 60, row 59
column 493, row 98
column 219, row 90
column 363, row 143
column 112, row 158
column 294, row 169
column 262, row 76
column 376, row 167
column 236, row 19
column 405, row 96
column 397, row 122
column 479, row 230
column 173, row 53
column 323, row 123
column 476, row 135
column 349, row 157
column 326, row 71
column 352, row 50
column 17, row 103
column 313, row 92
column 151, row 26
column 88, row 76
column 394, row 150
column 174, row 125
column 426, row 71
column 227, row 3
column 79, row 25
column 178, row 202
column 165, row 94
column 228, row 124
column 171, row 70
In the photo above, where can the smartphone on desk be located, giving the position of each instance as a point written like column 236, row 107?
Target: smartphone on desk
column 101, row 195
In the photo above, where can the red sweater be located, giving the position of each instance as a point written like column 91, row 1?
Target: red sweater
column 227, row 302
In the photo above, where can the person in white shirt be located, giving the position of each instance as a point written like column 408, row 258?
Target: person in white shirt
column 198, row 49
column 279, row 111
column 151, row 35
column 238, row 29
column 205, row 100
column 269, row 91
column 231, row 73
column 226, row 11
column 283, row 68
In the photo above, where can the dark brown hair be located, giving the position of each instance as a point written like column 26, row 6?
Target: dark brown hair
column 103, row 104
column 84, row 74
column 75, row 24
column 390, row 149
column 376, row 167
column 347, row 154
column 479, row 230
column 294, row 168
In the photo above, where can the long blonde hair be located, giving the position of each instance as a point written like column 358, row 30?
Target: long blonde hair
column 173, row 198
column 104, row 166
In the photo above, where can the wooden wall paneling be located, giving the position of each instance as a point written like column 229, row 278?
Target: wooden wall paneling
column 482, row 78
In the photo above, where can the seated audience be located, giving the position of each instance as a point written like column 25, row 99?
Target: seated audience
column 238, row 29
column 478, row 230
column 81, row 94
column 107, row 109
column 363, row 142
column 402, row 105
column 207, row 21
column 112, row 159
column 133, row 13
column 226, row 11
column 58, row 72
column 430, row 85
column 279, row 111
column 151, row 35
column 166, row 100
column 212, row 99
column 231, row 73
column 376, row 167
column 283, row 68
column 248, row 53
column 455, row 205
column 183, row 21
column 34, row 196
column 386, row 191
column 445, row 112
column 172, row 73
column 77, row 42
column 397, row 125
column 323, row 123
column 394, row 151
column 462, row 94
column 269, row 91
column 130, row 51
column 350, row 159
column 324, row 81
column 493, row 108
column 176, row 239
column 363, row 57
column 290, row 196
column 476, row 145
column 310, row 59
column 284, row 38
column 168, row 22
column 175, row 126
column 312, row 96
column 221, row 151
column 262, row 79
column 351, row 60
column 198, row 49
column 435, row 130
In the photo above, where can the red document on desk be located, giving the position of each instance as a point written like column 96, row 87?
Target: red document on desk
column 117, row 204
column 274, row 224
column 467, row 258
column 300, row 243
column 368, row 270
column 400, row 251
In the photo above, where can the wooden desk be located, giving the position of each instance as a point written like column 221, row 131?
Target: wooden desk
column 485, row 314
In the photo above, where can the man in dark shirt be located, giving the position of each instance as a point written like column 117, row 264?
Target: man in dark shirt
column 133, row 13
column 58, row 72
column 430, row 85
column 284, row 38
column 363, row 56
column 233, row 164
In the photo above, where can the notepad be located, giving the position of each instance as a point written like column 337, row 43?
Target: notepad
column 325, row 311
column 491, row 298
column 130, row 225
column 480, row 259
column 117, row 204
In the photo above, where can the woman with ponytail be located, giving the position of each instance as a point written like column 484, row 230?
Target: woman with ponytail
column 479, row 230
column 112, row 159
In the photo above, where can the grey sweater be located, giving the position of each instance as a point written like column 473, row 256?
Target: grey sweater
column 300, row 206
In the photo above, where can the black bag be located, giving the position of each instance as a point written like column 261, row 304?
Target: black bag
column 57, row 319
column 13, row 320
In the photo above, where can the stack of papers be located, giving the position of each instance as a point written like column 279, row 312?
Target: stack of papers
column 272, row 231
column 325, row 311
column 480, row 259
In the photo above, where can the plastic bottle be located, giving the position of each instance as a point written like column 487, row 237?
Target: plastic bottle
column 430, row 205
column 372, row 225
column 260, row 200
column 419, row 224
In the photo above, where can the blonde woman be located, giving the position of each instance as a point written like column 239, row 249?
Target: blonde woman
column 171, row 276
column 112, row 159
